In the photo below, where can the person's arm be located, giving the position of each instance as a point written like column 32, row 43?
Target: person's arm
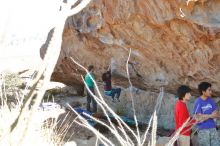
column 93, row 76
column 198, row 113
column 201, row 117
column 204, row 117
column 215, row 115
column 109, row 68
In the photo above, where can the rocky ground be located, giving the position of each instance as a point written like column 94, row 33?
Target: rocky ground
column 82, row 136
column 58, row 96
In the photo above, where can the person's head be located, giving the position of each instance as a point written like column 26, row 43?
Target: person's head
column 183, row 92
column 205, row 89
column 91, row 68
column 108, row 74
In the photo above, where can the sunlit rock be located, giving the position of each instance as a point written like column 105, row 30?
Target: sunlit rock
column 172, row 43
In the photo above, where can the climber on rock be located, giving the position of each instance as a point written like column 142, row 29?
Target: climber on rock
column 108, row 90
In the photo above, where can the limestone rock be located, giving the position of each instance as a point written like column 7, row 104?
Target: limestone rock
column 172, row 42
column 144, row 103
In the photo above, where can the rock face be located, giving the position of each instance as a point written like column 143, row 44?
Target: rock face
column 145, row 103
column 172, row 42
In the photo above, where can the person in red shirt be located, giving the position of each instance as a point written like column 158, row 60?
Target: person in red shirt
column 182, row 114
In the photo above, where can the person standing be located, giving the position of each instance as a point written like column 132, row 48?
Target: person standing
column 89, row 78
column 206, row 111
column 181, row 115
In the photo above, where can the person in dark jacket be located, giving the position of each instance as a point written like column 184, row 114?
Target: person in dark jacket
column 108, row 90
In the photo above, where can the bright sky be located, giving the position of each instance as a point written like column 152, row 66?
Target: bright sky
column 24, row 25
column 25, row 21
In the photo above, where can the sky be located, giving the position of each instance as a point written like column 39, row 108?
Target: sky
column 24, row 25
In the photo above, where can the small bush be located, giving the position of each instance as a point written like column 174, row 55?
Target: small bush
column 10, row 86
column 11, row 81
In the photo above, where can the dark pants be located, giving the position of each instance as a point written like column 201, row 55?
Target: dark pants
column 116, row 92
column 90, row 99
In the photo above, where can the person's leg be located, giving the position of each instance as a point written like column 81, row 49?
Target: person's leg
column 89, row 98
column 113, row 94
column 94, row 103
column 118, row 91
column 204, row 138
column 214, row 137
column 184, row 140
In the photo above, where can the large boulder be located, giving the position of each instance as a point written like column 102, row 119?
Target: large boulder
column 145, row 103
column 172, row 43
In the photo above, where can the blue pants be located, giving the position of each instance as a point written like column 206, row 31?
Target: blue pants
column 114, row 93
column 90, row 99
